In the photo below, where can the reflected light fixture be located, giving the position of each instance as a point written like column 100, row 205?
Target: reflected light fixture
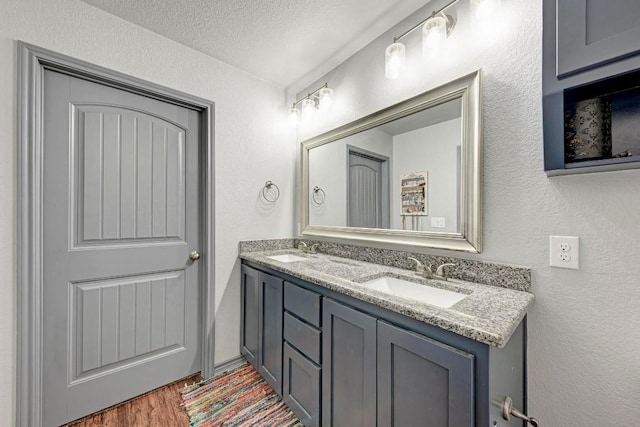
column 435, row 29
column 318, row 99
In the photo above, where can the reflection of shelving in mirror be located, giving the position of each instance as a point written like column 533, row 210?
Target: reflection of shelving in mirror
column 602, row 122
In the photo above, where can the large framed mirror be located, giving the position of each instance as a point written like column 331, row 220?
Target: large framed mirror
column 407, row 176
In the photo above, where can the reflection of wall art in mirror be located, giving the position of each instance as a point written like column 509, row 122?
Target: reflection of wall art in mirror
column 363, row 164
column 413, row 193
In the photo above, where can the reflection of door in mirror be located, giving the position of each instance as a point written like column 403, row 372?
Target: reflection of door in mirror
column 367, row 189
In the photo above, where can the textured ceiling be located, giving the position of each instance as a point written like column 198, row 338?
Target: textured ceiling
column 287, row 42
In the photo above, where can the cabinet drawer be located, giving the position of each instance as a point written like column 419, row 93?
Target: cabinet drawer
column 302, row 336
column 301, row 386
column 303, row 303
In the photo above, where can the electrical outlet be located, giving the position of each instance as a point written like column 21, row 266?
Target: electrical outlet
column 437, row 222
column 564, row 252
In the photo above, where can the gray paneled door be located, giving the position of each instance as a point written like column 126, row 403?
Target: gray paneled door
column 121, row 216
column 368, row 182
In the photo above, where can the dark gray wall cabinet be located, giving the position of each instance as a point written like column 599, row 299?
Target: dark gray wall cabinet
column 592, row 33
column 591, row 51
column 346, row 362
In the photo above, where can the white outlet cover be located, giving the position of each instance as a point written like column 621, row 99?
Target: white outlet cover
column 438, row 222
column 568, row 258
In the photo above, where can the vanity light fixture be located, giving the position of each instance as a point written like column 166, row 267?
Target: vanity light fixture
column 325, row 96
column 485, row 9
column 308, row 106
column 434, row 33
column 435, row 29
column 394, row 60
column 294, row 116
column 318, row 99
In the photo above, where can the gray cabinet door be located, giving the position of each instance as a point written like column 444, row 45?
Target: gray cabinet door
column 121, row 191
column 590, row 33
column 422, row 382
column 349, row 366
column 270, row 336
column 301, row 386
column 249, row 312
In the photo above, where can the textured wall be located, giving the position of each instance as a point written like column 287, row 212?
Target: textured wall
column 250, row 145
column 583, row 328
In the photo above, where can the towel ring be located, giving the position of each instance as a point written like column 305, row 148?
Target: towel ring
column 318, row 196
column 265, row 191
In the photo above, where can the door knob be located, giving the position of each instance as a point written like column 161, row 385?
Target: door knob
column 194, row 256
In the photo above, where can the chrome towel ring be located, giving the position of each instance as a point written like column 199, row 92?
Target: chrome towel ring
column 268, row 192
column 318, row 196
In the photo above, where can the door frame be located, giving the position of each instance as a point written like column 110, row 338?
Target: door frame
column 32, row 62
column 385, row 189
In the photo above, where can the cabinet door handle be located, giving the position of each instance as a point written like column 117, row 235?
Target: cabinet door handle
column 508, row 411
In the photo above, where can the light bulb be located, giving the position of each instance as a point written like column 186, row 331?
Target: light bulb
column 294, row 117
column 485, row 9
column 434, row 33
column 324, row 98
column 394, row 61
column 308, row 107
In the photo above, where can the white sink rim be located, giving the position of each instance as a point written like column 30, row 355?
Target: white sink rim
column 287, row 258
column 391, row 285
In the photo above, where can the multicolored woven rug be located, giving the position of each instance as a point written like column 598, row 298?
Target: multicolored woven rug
column 236, row 398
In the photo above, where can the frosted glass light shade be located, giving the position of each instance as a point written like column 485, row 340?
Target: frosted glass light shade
column 294, row 117
column 485, row 9
column 325, row 98
column 394, row 61
column 308, row 107
column 434, row 33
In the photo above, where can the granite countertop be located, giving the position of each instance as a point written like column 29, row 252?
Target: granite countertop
column 489, row 314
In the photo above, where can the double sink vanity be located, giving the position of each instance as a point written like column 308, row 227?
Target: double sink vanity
column 369, row 331
column 347, row 342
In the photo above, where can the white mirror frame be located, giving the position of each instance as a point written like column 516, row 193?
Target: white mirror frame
column 469, row 238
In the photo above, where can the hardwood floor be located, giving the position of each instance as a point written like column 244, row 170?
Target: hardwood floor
column 160, row 407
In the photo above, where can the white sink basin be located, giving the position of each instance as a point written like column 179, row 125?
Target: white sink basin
column 406, row 289
column 288, row 258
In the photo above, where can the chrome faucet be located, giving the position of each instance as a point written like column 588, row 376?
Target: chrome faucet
column 308, row 249
column 426, row 271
